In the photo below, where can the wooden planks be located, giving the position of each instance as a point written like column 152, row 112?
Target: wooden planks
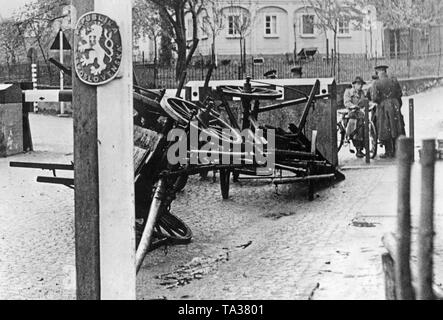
column 86, row 180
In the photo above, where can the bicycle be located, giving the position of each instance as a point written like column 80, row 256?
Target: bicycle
column 343, row 139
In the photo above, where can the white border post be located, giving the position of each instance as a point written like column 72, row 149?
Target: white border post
column 104, row 170
column 116, row 167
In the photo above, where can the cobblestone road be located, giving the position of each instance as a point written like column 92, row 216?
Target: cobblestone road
column 36, row 220
column 258, row 245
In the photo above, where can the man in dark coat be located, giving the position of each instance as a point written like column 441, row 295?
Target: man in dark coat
column 387, row 93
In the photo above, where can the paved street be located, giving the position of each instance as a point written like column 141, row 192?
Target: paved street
column 262, row 243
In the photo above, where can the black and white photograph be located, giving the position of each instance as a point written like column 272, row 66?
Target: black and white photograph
column 221, row 153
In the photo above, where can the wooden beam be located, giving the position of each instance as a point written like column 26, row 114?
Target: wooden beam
column 426, row 224
column 389, row 271
column 403, row 252
column 412, row 123
column 104, row 171
column 390, row 243
column 87, row 246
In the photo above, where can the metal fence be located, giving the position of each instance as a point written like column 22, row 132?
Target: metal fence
column 347, row 67
column 15, row 72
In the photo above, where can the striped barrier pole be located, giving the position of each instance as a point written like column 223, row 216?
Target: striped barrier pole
column 34, row 83
column 36, row 96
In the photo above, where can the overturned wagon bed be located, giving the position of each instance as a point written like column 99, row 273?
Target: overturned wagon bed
column 168, row 229
column 306, row 152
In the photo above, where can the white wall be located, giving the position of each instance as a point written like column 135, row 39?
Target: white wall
column 289, row 15
column 265, row 44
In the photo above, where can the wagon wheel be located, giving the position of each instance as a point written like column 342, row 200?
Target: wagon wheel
column 183, row 111
column 169, row 230
column 157, row 239
column 257, row 93
column 225, row 175
column 172, row 228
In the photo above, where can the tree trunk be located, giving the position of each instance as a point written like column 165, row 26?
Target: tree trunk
column 241, row 54
column 335, row 53
column 244, row 57
column 214, row 59
column 181, row 58
column 48, row 66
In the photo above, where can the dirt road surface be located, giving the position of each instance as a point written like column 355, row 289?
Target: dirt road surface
column 262, row 243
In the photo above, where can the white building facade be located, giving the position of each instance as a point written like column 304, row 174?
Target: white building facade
column 287, row 26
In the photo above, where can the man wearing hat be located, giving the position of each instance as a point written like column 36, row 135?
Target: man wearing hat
column 387, row 93
column 355, row 101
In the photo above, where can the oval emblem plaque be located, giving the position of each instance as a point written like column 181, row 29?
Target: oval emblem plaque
column 98, row 49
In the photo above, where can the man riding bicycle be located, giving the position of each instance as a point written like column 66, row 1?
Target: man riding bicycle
column 355, row 101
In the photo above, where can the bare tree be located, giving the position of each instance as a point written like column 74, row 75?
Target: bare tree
column 12, row 44
column 37, row 19
column 175, row 12
column 147, row 22
column 330, row 13
column 406, row 14
column 240, row 23
column 213, row 22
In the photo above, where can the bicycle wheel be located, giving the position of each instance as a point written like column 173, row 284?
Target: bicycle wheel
column 341, row 132
column 373, row 140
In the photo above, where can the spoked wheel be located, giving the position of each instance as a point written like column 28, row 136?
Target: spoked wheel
column 180, row 110
column 212, row 124
column 225, row 175
column 157, row 239
column 257, row 93
column 169, row 229
column 172, row 228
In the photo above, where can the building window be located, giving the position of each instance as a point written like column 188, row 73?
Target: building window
column 308, row 24
column 343, row 26
column 233, row 25
column 270, row 25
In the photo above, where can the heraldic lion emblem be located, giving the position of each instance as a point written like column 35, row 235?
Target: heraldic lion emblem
column 99, row 49
column 93, row 51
